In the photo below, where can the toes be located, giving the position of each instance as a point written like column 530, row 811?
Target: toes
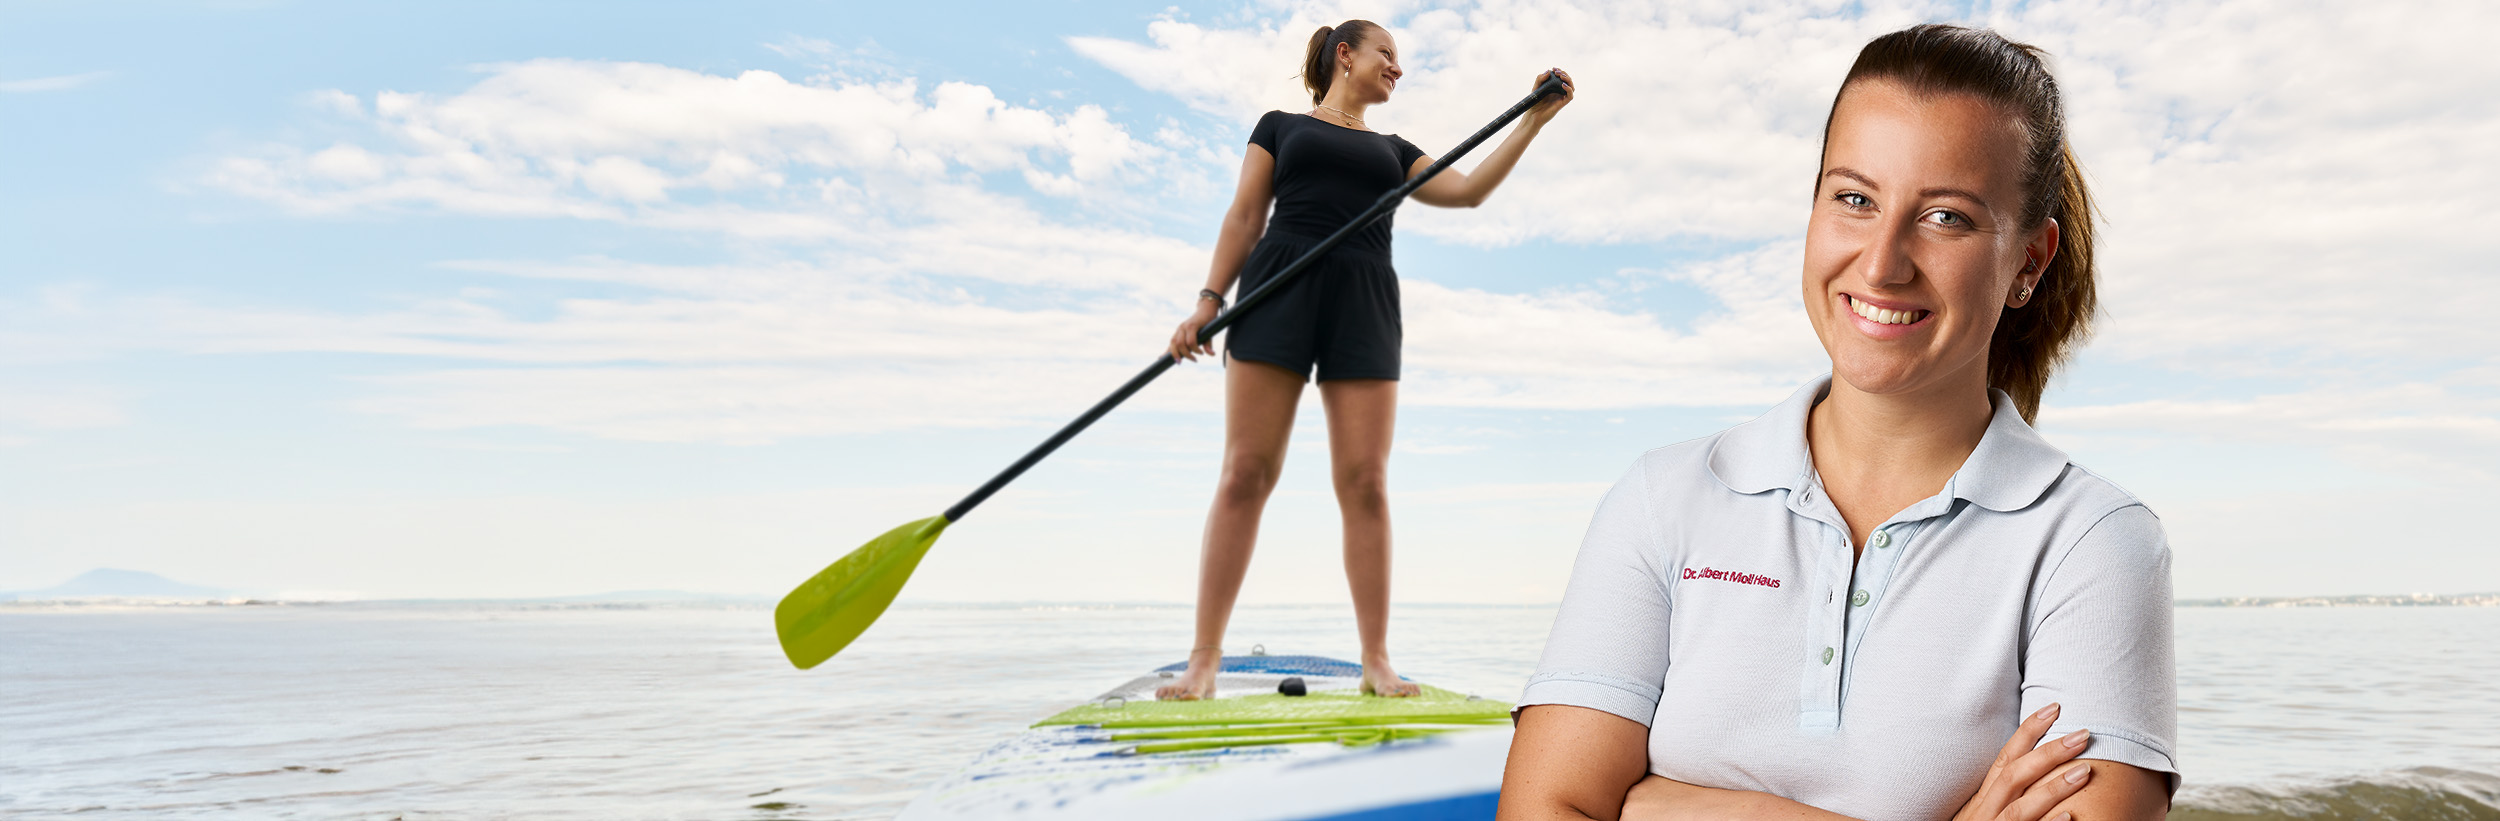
column 1391, row 688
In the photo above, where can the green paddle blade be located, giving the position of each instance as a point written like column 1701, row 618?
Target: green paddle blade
column 828, row 611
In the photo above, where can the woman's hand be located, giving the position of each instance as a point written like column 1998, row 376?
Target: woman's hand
column 2024, row 783
column 1185, row 343
column 1546, row 108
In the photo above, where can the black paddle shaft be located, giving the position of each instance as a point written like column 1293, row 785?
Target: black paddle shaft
column 1380, row 208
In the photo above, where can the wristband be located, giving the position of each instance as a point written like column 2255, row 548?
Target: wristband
column 1209, row 293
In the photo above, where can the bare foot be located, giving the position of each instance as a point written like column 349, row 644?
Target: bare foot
column 1197, row 682
column 1379, row 680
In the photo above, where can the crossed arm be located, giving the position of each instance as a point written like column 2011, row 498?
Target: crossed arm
column 1574, row 763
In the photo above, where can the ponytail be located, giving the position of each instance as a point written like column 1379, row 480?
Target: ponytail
column 1319, row 59
column 2033, row 341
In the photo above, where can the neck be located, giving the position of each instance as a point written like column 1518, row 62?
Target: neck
column 1341, row 98
column 1912, row 441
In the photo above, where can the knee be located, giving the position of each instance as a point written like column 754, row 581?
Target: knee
column 1247, row 479
column 1364, row 487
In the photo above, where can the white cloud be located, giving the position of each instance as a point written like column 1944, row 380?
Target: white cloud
column 61, row 83
column 2426, row 431
column 1688, row 122
column 1572, row 350
column 610, row 141
column 2290, row 195
column 2277, row 206
column 60, row 407
column 403, row 545
column 2284, row 185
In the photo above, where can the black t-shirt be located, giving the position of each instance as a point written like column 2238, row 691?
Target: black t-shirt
column 1327, row 173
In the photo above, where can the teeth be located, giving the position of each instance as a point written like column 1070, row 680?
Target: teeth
column 1883, row 315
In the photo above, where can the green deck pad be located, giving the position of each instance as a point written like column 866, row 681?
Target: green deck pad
column 1338, row 707
column 1357, row 725
column 1349, row 736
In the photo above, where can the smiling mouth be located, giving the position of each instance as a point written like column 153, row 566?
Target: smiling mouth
column 1883, row 316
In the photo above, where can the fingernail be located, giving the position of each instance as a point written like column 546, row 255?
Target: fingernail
column 2078, row 737
column 2079, row 774
column 2045, row 712
column 2064, row 816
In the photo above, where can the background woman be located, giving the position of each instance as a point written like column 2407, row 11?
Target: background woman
column 1845, row 607
column 1318, row 169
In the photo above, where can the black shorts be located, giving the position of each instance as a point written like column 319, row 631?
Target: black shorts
column 1340, row 315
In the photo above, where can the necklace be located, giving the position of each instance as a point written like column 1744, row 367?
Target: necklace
column 1347, row 117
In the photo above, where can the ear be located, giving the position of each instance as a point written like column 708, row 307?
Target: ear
column 2037, row 254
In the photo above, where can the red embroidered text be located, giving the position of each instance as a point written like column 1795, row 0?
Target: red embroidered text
column 1731, row 576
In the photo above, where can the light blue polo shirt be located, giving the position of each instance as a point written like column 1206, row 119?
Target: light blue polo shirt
column 1715, row 600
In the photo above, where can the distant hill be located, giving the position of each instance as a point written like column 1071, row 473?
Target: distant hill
column 107, row 583
column 661, row 597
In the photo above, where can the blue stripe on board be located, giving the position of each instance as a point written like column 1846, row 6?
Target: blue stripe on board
column 1477, row 807
column 1281, row 666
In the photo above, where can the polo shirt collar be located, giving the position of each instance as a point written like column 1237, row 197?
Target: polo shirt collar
column 2013, row 466
column 1770, row 451
column 2009, row 470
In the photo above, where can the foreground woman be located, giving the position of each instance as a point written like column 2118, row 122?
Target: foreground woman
column 1845, row 607
column 1319, row 168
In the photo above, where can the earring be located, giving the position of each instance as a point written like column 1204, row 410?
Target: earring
column 2026, row 294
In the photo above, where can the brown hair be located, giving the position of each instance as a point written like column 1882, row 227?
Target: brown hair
column 1319, row 61
column 2031, row 342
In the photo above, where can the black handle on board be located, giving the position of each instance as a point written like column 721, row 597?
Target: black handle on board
column 1379, row 208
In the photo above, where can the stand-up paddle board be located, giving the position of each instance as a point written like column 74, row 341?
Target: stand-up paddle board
column 1287, row 738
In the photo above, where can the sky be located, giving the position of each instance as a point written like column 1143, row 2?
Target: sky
column 497, row 299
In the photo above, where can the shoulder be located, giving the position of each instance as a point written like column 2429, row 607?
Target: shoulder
column 2080, row 494
column 1682, row 458
column 1269, row 123
column 1277, row 119
column 2082, row 487
column 1404, row 148
column 2105, row 526
column 1672, row 472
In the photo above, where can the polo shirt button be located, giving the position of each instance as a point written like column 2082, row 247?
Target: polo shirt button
column 1858, row 599
column 1882, row 539
column 1827, row 655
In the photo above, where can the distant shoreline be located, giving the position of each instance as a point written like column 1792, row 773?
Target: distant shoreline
column 2412, row 600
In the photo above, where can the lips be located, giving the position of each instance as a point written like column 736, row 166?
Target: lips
column 1884, row 316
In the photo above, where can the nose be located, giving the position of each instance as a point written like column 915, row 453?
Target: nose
column 1887, row 262
column 1395, row 72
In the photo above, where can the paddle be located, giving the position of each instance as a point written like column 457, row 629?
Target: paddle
column 826, row 612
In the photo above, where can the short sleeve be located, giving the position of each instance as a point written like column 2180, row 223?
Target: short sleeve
column 1407, row 153
column 2101, row 644
column 1263, row 135
column 1608, row 648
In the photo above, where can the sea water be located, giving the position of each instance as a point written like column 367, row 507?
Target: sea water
column 476, row 710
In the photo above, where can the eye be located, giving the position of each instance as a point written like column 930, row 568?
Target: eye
column 1948, row 219
column 1854, row 200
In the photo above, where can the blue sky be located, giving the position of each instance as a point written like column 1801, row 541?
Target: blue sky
column 497, row 299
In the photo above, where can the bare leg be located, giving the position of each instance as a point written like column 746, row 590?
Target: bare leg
column 1362, row 414
column 1259, row 401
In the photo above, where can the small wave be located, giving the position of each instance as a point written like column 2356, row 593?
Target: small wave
column 2426, row 793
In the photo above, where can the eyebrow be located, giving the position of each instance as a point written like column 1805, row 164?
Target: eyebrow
column 1930, row 193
